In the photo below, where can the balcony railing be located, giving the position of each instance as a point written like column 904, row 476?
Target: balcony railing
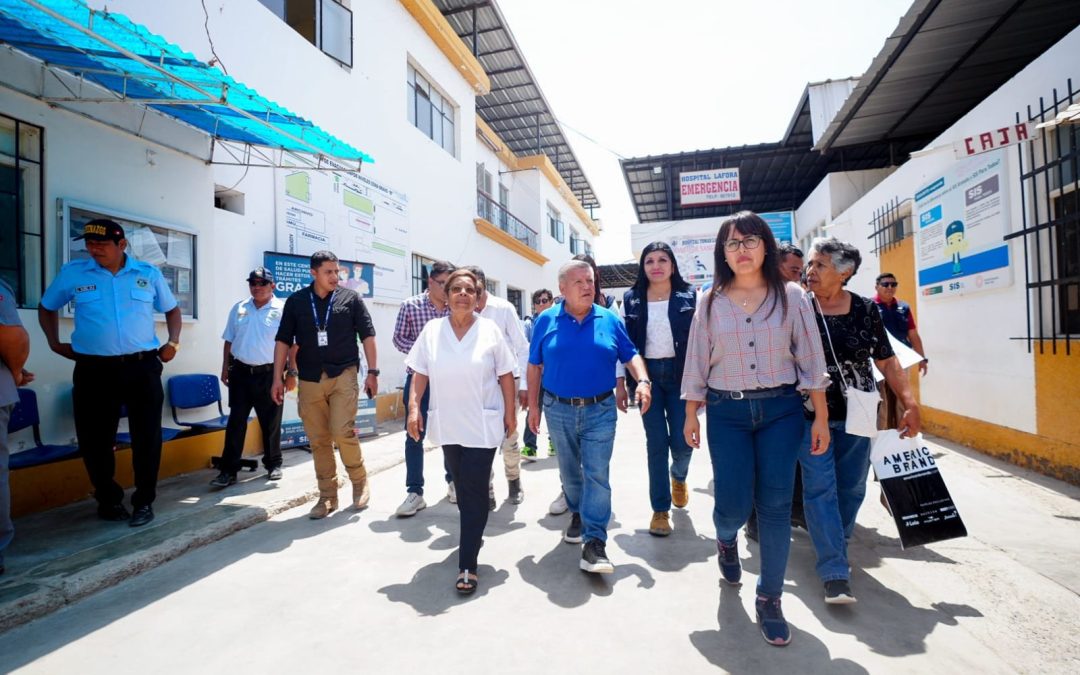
column 496, row 214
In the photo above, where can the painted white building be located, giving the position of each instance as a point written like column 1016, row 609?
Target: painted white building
column 970, row 200
column 388, row 77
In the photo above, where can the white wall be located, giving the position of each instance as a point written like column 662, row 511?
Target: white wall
column 976, row 370
column 91, row 163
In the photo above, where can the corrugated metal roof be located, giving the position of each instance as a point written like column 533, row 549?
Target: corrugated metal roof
column 515, row 108
column 945, row 57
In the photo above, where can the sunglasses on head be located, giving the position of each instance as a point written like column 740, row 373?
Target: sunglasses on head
column 889, row 284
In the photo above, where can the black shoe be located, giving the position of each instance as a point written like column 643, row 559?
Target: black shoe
column 730, row 567
column 223, row 480
column 492, row 504
column 142, row 516
column 274, row 474
column 751, row 528
column 838, row 592
column 113, row 512
column 517, row 495
column 594, row 558
column 572, row 535
column 798, row 519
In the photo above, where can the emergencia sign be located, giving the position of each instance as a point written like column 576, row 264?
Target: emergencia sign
column 714, row 186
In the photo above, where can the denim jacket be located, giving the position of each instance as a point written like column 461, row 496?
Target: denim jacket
column 681, row 306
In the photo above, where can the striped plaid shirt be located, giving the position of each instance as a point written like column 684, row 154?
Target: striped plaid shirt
column 731, row 350
column 411, row 319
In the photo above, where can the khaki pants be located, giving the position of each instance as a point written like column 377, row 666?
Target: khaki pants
column 511, row 452
column 328, row 410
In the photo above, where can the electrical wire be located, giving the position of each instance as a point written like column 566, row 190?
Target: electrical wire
column 206, row 27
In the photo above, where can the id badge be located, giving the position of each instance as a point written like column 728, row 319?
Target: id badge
column 323, row 340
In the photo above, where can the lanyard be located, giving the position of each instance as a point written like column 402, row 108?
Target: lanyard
column 315, row 315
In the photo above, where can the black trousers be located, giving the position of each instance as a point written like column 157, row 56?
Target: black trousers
column 470, row 468
column 102, row 385
column 249, row 390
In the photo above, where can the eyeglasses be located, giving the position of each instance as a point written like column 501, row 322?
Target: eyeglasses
column 889, row 284
column 436, row 282
column 260, row 284
column 543, row 301
column 750, row 243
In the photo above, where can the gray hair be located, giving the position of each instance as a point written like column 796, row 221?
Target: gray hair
column 573, row 265
column 845, row 257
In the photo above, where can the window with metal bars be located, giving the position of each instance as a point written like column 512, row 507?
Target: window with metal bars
column 421, row 270
column 22, row 194
column 891, row 224
column 1050, row 204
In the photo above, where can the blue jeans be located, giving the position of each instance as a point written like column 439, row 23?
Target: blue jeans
column 7, row 528
column 753, row 445
column 664, row 433
column 414, row 450
column 834, row 484
column 585, row 436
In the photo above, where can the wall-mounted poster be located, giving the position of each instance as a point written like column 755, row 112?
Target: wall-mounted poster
column 352, row 215
column 959, row 247
column 293, row 272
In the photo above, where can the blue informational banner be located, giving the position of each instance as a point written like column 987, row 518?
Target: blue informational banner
column 962, row 222
column 293, row 272
column 782, row 224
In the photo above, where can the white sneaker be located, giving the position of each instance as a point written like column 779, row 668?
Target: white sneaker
column 411, row 505
column 558, row 506
column 451, row 493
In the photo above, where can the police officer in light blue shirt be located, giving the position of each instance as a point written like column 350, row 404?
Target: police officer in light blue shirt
column 247, row 369
column 118, row 361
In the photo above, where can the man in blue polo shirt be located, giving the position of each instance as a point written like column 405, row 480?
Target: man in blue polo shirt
column 117, row 359
column 575, row 346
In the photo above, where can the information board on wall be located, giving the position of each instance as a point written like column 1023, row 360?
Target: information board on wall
column 961, row 224
column 353, row 215
column 293, row 272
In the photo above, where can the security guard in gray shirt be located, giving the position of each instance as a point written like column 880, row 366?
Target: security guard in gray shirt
column 247, row 369
column 117, row 361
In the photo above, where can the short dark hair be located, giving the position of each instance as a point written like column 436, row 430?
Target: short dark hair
column 467, row 273
column 441, row 267
column 884, row 275
column 786, row 249
column 541, row 293
column 320, row 257
column 479, row 274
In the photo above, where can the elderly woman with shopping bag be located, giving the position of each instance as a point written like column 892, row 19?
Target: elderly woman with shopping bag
column 834, row 482
column 466, row 361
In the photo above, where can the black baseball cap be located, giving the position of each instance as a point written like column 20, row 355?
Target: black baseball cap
column 102, row 229
column 260, row 274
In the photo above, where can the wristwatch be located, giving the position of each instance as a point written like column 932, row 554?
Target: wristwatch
column 373, row 371
column 174, row 345
column 648, row 382
column 292, row 372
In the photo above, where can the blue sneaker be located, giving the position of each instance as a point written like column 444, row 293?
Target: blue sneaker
column 730, row 567
column 771, row 621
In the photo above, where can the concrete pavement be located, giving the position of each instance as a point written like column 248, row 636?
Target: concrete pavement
column 374, row 592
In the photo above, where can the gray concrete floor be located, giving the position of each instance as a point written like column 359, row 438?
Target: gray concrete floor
column 368, row 591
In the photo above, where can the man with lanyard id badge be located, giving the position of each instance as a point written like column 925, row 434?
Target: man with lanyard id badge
column 325, row 322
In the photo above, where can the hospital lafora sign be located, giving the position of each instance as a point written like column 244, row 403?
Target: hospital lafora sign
column 704, row 188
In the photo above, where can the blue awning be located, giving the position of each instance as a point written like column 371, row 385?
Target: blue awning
column 136, row 66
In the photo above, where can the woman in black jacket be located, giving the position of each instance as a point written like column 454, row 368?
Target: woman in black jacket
column 658, row 311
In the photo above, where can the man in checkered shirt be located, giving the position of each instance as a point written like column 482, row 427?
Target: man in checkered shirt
column 413, row 315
